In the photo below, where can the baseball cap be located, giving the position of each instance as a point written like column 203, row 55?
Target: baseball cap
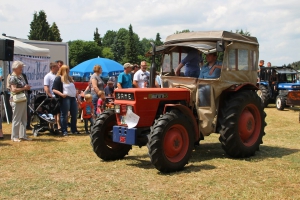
column 127, row 65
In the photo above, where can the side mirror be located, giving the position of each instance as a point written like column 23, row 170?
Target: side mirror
column 220, row 46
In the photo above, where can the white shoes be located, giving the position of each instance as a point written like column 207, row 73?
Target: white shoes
column 19, row 140
column 16, row 140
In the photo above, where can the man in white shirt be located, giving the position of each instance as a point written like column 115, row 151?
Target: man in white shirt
column 141, row 77
column 49, row 79
column 48, row 84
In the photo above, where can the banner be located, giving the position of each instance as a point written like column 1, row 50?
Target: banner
column 36, row 68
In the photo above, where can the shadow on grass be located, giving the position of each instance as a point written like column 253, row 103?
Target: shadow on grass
column 4, row 144
column 210, row 151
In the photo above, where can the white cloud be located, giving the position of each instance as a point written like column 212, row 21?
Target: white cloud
column 275, row 23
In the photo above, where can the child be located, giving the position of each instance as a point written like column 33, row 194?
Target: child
column 88, row 111
column 44, row 114
column 100, row 102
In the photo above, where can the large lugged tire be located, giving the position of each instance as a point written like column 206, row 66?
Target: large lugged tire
column 243, row 124
column 264, row 95
column 101, row 138
column 170, row 142
column 280, row 102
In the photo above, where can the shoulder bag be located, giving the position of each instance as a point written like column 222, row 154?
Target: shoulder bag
column 19, row 97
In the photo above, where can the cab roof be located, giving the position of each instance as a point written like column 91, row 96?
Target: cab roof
column 210, row 36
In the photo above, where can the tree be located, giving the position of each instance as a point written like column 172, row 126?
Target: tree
column 131, row 54
column 158, row 58
column 107, row 53
column 97, row 37
column 144, row 47
column 109, row 38
column 54, row 33
column 183, row 31
column 80, row 51
column 118, row 47
column 246, row 33
column 39, row 27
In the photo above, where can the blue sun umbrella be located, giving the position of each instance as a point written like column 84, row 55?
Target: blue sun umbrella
column 109, row 68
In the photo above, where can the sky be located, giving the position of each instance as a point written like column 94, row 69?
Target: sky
column 276, row 24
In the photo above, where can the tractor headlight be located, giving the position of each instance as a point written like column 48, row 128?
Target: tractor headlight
column 117, row 108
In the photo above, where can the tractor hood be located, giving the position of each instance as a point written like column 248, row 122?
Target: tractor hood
column 289, row 86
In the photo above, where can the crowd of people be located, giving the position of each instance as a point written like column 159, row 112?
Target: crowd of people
column 59, row 85
column 88, row 104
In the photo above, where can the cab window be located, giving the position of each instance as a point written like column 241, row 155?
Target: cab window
column 238, row 59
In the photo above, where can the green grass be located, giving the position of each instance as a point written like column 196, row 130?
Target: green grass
column 51, row 167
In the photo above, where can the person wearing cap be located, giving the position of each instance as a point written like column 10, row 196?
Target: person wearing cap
column 141, row 77
column 18, row 85
column 212, row 69
column 191, row 63
column 109, row 89
column 124, row 78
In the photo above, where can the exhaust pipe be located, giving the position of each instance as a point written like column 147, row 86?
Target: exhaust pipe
column 153, row 67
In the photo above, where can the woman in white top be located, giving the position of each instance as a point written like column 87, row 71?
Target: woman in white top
column 64, row 88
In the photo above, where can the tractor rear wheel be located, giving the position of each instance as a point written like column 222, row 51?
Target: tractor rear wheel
column 243, row 124
column 280, row 102
column 170, row 142
column 264, row 95
column 101, row 138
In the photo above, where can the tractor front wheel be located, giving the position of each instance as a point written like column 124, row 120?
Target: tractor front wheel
column 101, row 138
column 280, row 102
column 170, row 142
column 243, row 124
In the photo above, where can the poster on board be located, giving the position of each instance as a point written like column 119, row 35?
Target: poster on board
column 35, row 69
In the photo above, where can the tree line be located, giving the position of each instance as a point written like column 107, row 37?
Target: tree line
column 123, row 45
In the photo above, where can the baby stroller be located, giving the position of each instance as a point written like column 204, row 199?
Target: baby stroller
column 42, row 113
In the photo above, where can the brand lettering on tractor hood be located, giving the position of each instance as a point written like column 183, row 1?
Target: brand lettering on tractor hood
column 158, row 96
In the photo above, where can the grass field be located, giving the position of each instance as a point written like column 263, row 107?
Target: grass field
column 51, row 167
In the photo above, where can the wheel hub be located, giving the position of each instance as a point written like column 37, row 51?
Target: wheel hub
column 246, row 125
column 173, row 142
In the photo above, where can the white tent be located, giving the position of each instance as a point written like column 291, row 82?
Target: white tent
column 22, row 48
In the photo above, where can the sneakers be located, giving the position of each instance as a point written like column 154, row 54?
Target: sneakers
column 76, row 133
column 16, row 140
column 65, row 134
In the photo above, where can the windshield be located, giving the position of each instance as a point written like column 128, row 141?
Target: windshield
column 171, row 61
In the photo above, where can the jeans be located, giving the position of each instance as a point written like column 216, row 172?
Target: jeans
column 94, row 101
column 194, row 74
column 68, row 104
column 86, row 121
column 204, row 95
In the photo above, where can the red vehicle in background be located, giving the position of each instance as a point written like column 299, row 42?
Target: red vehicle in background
column 81, row 83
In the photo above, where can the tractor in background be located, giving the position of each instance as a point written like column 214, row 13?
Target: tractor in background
column 275, row 85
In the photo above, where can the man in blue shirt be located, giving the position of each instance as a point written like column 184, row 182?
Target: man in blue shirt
column 191, row 63
column 213, row 67
column 211, row 70
column 124, row 79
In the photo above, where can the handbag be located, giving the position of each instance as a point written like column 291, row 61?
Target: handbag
column 20, row 97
